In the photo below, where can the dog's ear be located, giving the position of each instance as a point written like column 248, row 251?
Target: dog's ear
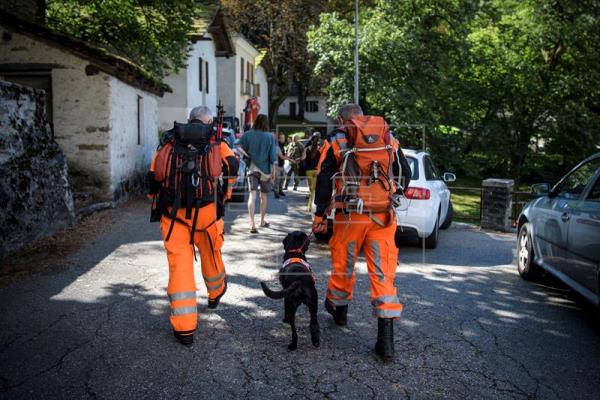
column 285, row 241
column 305, row 241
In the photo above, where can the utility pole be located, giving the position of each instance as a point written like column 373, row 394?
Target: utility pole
column 356, row 51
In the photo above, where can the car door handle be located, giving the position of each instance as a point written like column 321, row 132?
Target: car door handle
column 565, row 217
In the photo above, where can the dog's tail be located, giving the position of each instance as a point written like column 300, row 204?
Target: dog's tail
column 282, row 293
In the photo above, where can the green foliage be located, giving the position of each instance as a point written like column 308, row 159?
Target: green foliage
column 506, row 74
column 151, row 33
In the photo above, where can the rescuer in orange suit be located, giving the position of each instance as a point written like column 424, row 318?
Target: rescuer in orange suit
column 357, row 230
column 179, row 241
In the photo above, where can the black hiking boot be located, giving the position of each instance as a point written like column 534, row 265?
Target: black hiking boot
column 339, row 313
column 385, row 339
column 186, row 340
column 213, row 303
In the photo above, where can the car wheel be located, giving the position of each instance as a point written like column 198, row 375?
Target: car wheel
column 324, row 237
column 449, row 215
column 525, row 265
column 431, row 241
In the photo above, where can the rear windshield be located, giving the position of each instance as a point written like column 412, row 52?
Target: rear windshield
column 414, row 167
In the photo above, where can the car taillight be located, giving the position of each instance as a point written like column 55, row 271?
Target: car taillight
column 417, row 193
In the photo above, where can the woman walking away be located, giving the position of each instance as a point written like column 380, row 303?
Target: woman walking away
column 312, row 155
column 260, row 147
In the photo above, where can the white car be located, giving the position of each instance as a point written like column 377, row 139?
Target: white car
column 426, row 207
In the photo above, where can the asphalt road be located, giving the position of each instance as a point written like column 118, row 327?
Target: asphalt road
column 84, row 315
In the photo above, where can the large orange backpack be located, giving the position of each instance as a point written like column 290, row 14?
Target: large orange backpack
column 366, row 181
column 188, row 167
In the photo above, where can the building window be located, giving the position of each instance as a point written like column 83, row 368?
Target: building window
column 311, row 106
column 257, row 90
column 140, row 119
column 242, row 66
column 200, row 79
column 250, row 72
column 206, row 63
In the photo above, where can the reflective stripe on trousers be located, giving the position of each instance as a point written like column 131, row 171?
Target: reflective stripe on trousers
column 184, row 311
column 379, row 313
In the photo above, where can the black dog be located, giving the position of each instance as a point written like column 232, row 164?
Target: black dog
column 298, row 283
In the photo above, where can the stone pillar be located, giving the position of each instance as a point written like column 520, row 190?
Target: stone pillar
column 496, row 204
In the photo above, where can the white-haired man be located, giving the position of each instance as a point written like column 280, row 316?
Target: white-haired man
column 202, row 226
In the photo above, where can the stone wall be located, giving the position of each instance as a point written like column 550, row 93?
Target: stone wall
column 94, row 116
column 81, row 109
column 34, row 187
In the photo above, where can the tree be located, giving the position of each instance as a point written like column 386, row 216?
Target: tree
column 503, row 73
column 152, row 33
column 279, row 29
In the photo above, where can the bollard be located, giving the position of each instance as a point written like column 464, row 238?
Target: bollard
column 496, row 204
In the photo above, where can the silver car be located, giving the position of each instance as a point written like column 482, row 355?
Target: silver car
column 559, row 231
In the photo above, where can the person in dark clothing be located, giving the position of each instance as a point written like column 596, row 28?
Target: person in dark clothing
column 370, row 229
column 312, row 153
column 281, row 157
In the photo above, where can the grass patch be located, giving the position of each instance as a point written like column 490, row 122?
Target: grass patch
column 466, row 205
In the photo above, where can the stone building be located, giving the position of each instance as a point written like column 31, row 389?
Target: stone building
column 197, row 83
column 103, row 109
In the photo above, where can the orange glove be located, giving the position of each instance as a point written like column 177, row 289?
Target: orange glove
column 319, row 224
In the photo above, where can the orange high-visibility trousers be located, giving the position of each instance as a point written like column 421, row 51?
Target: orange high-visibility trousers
column 354, row 233
column 208, row 238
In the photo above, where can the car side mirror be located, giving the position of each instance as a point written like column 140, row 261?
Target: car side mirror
column 448, row 177
column 540, row 189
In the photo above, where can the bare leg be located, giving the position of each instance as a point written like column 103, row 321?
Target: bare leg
column 251, row 207
column 263, row 207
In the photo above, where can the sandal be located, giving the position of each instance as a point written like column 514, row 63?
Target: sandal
column 253, row 230
column 265, row 225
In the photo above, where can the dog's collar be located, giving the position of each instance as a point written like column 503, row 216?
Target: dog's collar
column 298, row 250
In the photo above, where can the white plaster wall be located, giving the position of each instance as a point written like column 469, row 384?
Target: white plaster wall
column 229, row 78
column 130, row 160
column 173, row 106
column 80, row 104
column 263, row 99
column 228, row 84
column 243, row 49
column 195, row 97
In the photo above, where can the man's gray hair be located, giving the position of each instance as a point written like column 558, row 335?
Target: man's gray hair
column 201, row 113
column 350, row 110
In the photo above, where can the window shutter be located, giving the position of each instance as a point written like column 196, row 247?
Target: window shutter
column 206, row 77
column 200, row 79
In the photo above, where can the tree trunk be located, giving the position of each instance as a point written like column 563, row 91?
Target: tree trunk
column 301, row 100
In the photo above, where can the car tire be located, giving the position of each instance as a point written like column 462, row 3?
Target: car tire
column 431, row 241
column 449, row 216
column 397, row 238
column 325, row 237
column 527, row 268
